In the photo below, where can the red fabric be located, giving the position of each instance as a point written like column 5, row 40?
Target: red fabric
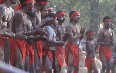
column 43, row 2
column 39, row 45
column 15, row 44
column 49, row 53
column 27, row 2
column 60, row 14
column 88, row 62
column 107, row 20
column 75, row 72
column 17, row 7
column 75, row 52
column 74, row 14
column 107, row 51
column 20, row 5
column 31, row 52
column 90, row 34
column 13, row 47
column 60, row 55
column 1, row 1
column 22, row 47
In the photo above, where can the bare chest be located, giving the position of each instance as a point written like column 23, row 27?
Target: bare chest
column 108, row 33
column 74, row 30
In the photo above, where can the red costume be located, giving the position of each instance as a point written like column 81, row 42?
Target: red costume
column 75, row 52
column 39, row 45
column 60, row 53
column 21, row 44
column 107, row 51
column 30, row 51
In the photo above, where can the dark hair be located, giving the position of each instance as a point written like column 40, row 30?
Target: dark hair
column 50, row 15
column 88, row 31
column 41, row 0
column 37, row 0
column 71, row 14
column 106, row 17
column 59, row 12
column 21, row 1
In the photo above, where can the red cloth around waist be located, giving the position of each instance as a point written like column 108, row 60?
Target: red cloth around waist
column 107, row 51
column 59, row 52
column 75, row 52
column 15, row 44
column 30, row 50
column 89, row 62
column 39, row 45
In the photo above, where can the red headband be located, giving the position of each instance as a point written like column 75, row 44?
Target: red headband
column 1, row 1
column 74, row 14
column 17, row 7
column 107, row 20
column 43, row 2
column 90, row 34
column 20, row 5
column 60, row 14
column 27, row 2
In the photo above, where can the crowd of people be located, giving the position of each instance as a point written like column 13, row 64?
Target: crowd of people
column 35, row 39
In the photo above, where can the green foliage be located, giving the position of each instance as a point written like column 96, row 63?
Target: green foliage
column 89, row 9
column 92, row 11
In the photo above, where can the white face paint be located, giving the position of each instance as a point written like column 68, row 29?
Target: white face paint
column 107, row 24
column 77, row 18
column 61, row 19
column 31, row 5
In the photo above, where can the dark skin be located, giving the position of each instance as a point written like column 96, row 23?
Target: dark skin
column 51, row 42
column 6, row 15
column 105, row 37
column 20, row 25
column 60, row 28
column 91, row 53
column 20, row 16
column 35, row 18
column 37, row 33
column 74, row 35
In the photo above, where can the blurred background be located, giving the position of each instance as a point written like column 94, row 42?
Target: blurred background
column 92, row 11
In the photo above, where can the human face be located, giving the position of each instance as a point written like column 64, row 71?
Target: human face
column 44, row 14
column 42, row 7
column 77, row 18
column 90, row 36
column 31, row 6
column 61, row 19
column 107, row 24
